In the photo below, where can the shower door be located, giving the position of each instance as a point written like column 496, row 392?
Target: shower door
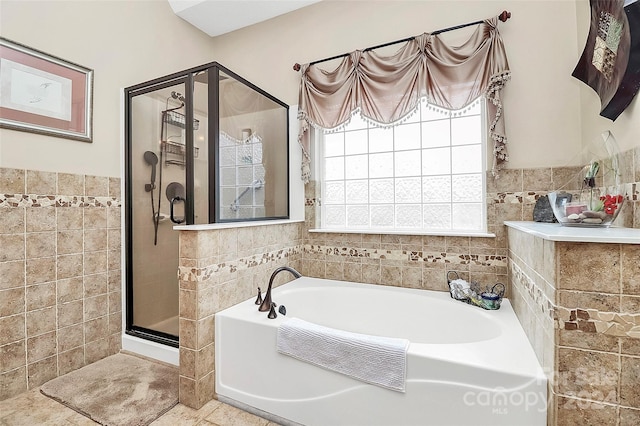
column 201, row 146
column 157, row 162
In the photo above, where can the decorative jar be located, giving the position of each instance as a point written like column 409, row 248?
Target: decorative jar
column 593, row 197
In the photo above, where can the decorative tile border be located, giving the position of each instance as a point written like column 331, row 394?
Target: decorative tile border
column 193, row 274
column 186, row 273
column 31, row 200
column 408, row 255
column 632, row 192
column 585, row 320
column 526, row 197
column 594, row 321
column 525, row 282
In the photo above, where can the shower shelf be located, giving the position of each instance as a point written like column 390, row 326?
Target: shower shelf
column 176, row 119
column 175, row 149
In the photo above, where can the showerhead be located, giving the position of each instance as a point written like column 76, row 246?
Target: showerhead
column 151, row 159
column 178, row 96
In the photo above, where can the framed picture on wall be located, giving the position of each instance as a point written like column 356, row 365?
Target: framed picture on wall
column 43, row 94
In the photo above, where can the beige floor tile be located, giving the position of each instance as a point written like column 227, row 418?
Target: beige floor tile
column 209, row 407
column 183, row 415
column 209, row 423
column 77, row 419
column 33, row 408
column 226, row 415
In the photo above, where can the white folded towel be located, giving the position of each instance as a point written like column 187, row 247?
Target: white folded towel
column 460, row 289
column 381, row 361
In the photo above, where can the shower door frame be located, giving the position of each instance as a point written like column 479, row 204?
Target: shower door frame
column 185, row 77
column 187, row 80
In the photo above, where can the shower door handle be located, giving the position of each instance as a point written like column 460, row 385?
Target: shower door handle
column 174, row 200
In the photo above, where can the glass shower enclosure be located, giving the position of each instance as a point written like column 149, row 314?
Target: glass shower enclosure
column 201, row 146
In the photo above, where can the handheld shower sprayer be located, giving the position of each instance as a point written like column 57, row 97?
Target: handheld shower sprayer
column 151, row 159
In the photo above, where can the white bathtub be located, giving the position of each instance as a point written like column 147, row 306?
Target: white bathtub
column 465, row 365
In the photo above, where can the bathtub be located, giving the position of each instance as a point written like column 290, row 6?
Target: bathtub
column 465, row 365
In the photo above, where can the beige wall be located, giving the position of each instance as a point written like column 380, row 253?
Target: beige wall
column 125, row 43
column 549, row 117
column 542, row 100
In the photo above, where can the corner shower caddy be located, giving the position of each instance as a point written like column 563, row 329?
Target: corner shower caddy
column 174, row 152
column 489, row 297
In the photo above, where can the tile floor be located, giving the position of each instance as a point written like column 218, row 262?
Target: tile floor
column 34, row 409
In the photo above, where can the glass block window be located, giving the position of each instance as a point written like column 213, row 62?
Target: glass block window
column 424, row 174
column 242, row 178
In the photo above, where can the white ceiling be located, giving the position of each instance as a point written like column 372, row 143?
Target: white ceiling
column 216, row 17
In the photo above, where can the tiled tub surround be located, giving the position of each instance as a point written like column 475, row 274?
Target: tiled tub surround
column 422, row 261
column 60, row 287
column 218, row 269
column 579, row 303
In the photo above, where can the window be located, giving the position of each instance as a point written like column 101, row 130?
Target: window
column 426, row 174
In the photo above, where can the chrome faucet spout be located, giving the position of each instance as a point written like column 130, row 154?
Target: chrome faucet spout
column 266, row 302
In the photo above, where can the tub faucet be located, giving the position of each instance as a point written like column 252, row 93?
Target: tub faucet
column 266, row 302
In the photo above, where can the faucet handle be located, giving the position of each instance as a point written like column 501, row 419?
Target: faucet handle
column 259, row 298
column 272, row 312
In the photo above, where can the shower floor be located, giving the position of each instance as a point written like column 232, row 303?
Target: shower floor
column 169, row 326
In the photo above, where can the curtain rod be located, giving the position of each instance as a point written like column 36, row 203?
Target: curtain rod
column 503, row 17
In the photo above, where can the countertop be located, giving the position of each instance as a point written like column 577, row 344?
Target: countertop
column 557, row 232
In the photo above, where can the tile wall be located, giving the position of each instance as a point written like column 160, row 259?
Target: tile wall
column 60, row 297
column 579, row 304
column 424, row 261
column 219, row 268
column 56, row 245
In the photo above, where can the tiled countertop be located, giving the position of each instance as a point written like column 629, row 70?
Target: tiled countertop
column 557, row 232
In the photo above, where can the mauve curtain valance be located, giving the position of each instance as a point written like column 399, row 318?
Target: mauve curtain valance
column 387, row 88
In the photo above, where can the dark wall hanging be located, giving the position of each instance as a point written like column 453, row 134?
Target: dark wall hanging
column 610, row 62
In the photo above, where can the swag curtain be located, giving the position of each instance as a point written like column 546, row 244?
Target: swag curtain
column 385, row 89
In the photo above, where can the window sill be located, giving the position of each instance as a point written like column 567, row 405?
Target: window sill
column 406, row 232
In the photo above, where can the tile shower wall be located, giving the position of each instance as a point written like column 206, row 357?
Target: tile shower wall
column 219, row 268
column 60, row 289
column 423, row 261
